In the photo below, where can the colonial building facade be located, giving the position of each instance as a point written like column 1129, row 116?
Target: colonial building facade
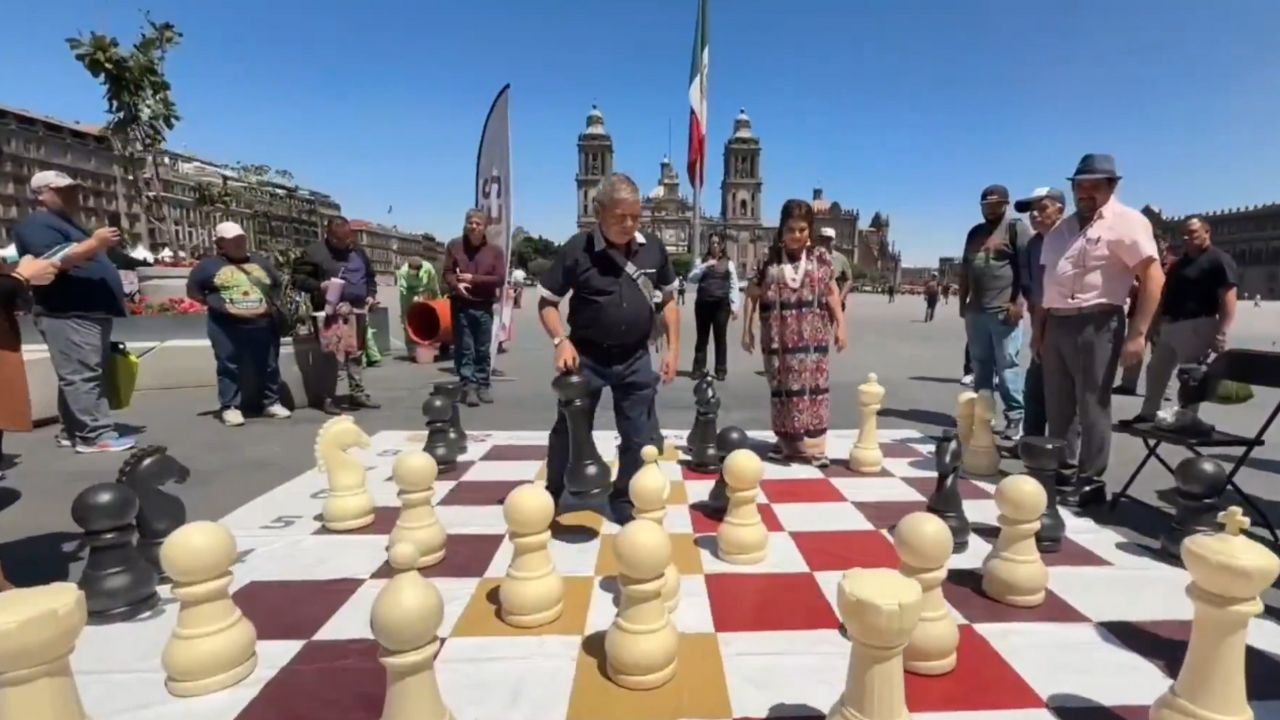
column 667, row 215
column 1250, row 235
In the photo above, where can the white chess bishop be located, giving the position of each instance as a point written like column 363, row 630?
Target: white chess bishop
column 532, row 592
column 980, row 457
column 964, row 416
column 406, row 620
column 415, row 474
column 39, row 627
column 649, row 490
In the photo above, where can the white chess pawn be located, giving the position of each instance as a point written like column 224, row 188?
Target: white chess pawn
column 414, row 474
column 1228, row 571
column 880, row 608
column 405, row 621
column 641, row 646
column 866, row 456
column 924, row 544
column 532, row 592
column 964, row 416
column 1013, row 572
column 649, row 490
column 742, row 538
column 213, row 645
column 980, row 457
column 39, row 627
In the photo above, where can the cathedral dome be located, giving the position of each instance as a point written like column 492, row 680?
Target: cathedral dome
column 595, row 122
column 742, row 124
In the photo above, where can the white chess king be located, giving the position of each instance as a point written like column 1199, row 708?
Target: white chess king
column 866, row 456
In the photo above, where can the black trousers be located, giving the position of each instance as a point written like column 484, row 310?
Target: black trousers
column 633, row 383
column 711, row 316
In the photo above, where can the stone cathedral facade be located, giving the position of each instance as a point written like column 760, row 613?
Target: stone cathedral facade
column 668, row 215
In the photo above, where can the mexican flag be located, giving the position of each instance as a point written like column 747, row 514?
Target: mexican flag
column 698, row 100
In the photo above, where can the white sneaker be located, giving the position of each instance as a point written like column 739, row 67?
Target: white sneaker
column 967, row 380
column 231, row 417
column 277, row 411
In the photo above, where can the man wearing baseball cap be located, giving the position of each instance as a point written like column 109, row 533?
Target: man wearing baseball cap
column 991, row 303
column 76, row 311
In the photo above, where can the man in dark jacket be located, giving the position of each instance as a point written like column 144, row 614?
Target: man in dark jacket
column 337, row 257
column 474, row 273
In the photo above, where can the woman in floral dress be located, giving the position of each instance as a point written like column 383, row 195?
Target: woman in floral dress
column 798, row 300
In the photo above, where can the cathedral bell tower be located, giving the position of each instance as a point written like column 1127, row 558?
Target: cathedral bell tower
column 595, row 163
column 741, row 187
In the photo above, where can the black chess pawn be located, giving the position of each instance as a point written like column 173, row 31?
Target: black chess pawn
column 1199, row 484
column 118, row 583
column 702, row 438
column 437, row 409
column 586, row 474
column 1042, row 456
column 146, row 471
column 945, row 502
column 728, row 440
column 457, row 435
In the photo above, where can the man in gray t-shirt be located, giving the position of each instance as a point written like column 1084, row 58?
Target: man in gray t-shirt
column 992, row 303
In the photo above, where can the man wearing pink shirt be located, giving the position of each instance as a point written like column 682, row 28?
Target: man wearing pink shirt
column 1090, row 261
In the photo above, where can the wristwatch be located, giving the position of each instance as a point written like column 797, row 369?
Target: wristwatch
column 556, row 342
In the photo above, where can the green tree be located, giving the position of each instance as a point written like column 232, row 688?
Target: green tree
column 531, row 248
column 682, row 263
column 538, row 267
column 140, row 106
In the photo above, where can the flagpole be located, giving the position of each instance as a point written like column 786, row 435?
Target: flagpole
column 696, row 241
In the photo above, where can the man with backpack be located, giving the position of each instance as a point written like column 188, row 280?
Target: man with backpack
column 992, row 304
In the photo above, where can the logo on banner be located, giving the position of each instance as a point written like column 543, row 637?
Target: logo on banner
column 491, row 190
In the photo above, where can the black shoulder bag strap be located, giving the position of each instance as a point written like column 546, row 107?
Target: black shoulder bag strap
column 630, row 270
column 1012, row 239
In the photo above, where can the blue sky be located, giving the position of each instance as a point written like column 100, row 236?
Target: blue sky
column 909, row 106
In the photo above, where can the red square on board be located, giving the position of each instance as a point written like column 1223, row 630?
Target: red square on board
column 688, row 473
column 456, row 471
column 845, row 549
column 479, row 492
column 969, row 490
column 704, row 521
column 963, row 590
column 769, row 601
column 839, row 468
column 326, row 679
column 979, row 666
column 901, row 450
column 293, row 609
column 886, row 515
column 465, row 556
column 515, row 452
column 801, row 490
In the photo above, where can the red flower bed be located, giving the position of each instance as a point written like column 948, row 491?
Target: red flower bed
column 172, row 306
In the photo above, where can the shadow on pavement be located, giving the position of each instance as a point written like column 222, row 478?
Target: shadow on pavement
column 923, row 417
column 40, row 559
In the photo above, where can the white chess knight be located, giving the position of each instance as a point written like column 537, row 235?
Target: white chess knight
column 924, row 544
column 531, row 594
column 641, row 647
column 866, row 456
column 1013, row 572
column 213, row 645
column 406, row 620
column 742, row 538
column 414, row 473
column 1228, row 571
column 39, row 627
column 650, row 489
column 980, row 457
column 964, row 416
column 349, row 505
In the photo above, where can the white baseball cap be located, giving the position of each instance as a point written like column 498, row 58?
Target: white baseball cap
column 829, row 232
column 46, row 179
column 228, row 230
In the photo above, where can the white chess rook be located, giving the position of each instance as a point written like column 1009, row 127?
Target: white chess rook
column 742, row 538
column 349, row 505
column 531, row 594
column 979, row 456
column 866, row 456
column 1013, row 572
column 924, row 544
column 650, row 490
column 405, row 621
column 641, row 647
column 39, row 627
column 1228, row 571
column 213, row 645
column 415, row 474
column 880, row 608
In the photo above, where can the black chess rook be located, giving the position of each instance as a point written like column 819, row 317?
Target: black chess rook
column 945, row 502
column 452, row 392
column 146, row 471
column 1199, row 483
column 702, row 437
column 438, row 411
column 118, row 584
column 1042, row 456
column 586, row 474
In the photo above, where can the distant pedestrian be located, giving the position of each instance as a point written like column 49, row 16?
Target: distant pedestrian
column 946, row 293
column 474, row 273
column 891, row 290
column 930, row 297
column 240, row 290
column 715, row 304
column 680, row 291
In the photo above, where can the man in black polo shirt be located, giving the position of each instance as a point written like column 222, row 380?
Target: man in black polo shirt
column 1196, row 312
column 611, row 319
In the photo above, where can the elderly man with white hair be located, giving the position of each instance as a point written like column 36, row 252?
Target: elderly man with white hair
column 621, row 284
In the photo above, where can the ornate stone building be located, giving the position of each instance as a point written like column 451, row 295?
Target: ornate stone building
column 668, row 215
column 389, row 247
column 1251, row 235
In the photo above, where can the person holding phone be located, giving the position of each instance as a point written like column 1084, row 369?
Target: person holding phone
column 75, row 312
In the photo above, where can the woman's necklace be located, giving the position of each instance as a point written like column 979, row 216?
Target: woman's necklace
column 793, row 272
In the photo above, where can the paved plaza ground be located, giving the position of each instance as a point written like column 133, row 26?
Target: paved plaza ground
column 919, row 364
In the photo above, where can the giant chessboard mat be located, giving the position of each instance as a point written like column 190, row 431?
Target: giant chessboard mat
column 760, row 641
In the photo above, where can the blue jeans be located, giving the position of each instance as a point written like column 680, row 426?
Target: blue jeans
column 995, row 347
column 240, row 347
column 472, row 332
column 633, row 383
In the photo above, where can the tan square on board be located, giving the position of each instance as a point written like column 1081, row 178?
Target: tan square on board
column 698, row 690
column 480, row 617
column 686, row 556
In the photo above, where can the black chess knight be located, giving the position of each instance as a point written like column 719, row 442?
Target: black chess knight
column 438, row 410
column 146, row 471
column 1042, row 457
column 945, row 502
column 702, row 438
column 118, row 583
column 452, row 392
column 1199, row 485
column 586, row 475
